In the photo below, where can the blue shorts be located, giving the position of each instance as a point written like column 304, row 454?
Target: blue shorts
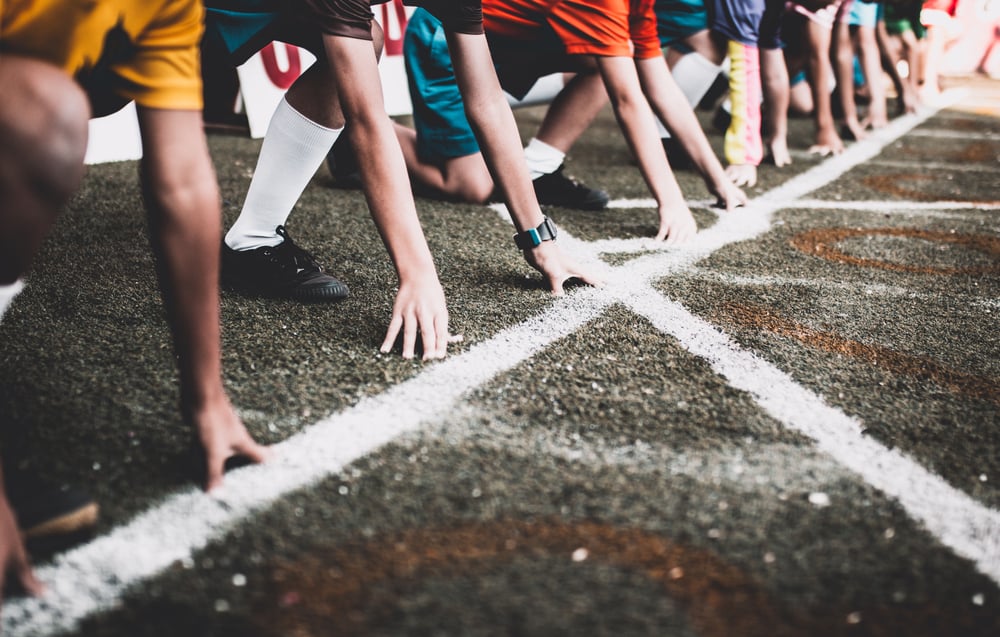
column 864, row 14
column 752, row 22
column 443, row 130
column 770, row 25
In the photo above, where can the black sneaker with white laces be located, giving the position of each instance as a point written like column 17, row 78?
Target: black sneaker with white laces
column 559, row 189
column 283, row 271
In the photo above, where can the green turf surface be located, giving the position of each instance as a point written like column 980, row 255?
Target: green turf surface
column 614, row 482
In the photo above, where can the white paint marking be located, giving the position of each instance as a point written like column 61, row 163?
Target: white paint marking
column 91, row 578
column 937, row 133
column 930, row 167
column 929, row 208
column 869, row 289
column 971, row 529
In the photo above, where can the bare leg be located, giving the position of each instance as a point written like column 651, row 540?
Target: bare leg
column 468, row 178
column 465, row 178
column 573, row 110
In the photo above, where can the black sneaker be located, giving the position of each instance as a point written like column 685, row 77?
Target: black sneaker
column 284, row 271
column 343, row 163
column 559, row 189
column 46, row 511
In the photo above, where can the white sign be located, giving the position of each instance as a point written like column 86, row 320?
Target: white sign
column 266, row 76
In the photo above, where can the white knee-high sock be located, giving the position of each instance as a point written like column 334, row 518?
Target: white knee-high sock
column 542, row 158
column 694, row 74
column 7, row 294
column 292, row 151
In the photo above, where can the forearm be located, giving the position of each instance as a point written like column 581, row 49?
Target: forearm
column 775, row 85
column 387, row 192
column 380, row 159
column 185, row 223
column 636, row 121
column 670, row 105
column 495, row 127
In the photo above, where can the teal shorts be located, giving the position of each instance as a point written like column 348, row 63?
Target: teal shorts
column 864, row 14
column 677, row 20
column 240, row 29
column 443, row 130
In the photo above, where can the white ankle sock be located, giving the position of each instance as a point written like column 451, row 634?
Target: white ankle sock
column 7, row 294
column 541, row 158
column 293, row 149
column 694, row 74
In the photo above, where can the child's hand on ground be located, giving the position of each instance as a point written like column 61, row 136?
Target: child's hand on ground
column 827, row 143
column 855, row 129
column 420, row 308
column 742, row 174
column 677, row 225
column 728, row 193
column 557, row 268
column 223, row 436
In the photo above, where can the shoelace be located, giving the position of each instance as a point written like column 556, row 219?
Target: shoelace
column 290, row 256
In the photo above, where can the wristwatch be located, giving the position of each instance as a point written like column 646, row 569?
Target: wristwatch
column 546, row 231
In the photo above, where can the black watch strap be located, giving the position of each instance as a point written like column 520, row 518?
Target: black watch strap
column 546, row 231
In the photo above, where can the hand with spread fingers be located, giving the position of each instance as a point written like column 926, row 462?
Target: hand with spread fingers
column 677, row 226
column 557, row 267
column 420, row 309
column 742, row 175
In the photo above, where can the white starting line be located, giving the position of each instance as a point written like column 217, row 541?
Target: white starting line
column 92, row 578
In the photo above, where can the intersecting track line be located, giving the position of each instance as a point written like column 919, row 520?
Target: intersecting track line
column 91, row 578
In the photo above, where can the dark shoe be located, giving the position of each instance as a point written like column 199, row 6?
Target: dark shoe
column 715, row 92
column 559, row 189
column 46, row 511
column 343, row 163
column 676, row 155
column 284, row 271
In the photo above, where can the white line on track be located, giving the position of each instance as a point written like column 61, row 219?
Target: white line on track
column 986, row 305
column 901, row 207
column 91, row 578
column 954, row 134
column 966, row 526
column 929, row 167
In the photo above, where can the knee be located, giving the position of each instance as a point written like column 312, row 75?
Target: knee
column 478, row 190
